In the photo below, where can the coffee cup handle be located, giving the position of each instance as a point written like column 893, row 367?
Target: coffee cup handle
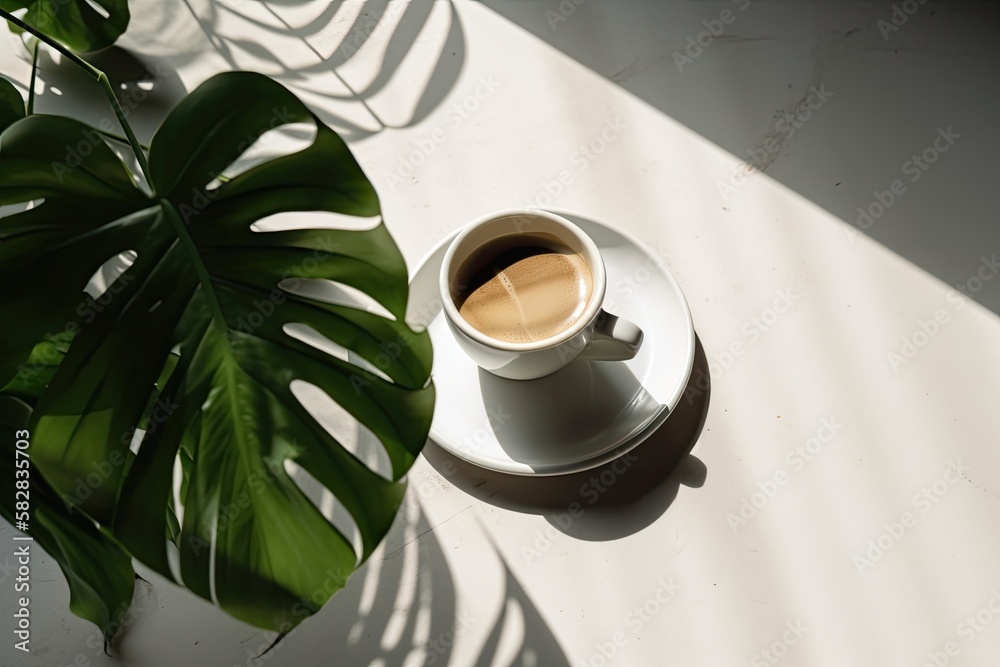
column 614, row 339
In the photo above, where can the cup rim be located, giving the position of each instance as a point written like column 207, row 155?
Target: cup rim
column 590, row 312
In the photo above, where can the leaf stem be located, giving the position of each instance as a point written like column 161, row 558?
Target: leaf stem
column 51, row 42
column 119, row 138
column 140, row 156
column 180, row 228
column 34, row 74
column 101, row 78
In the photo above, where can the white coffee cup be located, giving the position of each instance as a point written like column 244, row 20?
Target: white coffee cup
column 594, row 335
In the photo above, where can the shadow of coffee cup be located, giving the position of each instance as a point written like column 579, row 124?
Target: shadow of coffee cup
column 581, row 411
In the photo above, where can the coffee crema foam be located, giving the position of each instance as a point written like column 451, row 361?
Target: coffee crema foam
column 524, row 289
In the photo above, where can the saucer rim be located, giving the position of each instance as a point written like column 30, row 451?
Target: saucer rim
column 666, row 408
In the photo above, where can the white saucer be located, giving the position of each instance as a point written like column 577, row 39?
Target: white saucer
column 584, row 415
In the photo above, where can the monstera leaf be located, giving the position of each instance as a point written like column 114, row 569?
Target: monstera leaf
column 11, row 104
column 97, row 569
column 191, row 341
column 82, row 25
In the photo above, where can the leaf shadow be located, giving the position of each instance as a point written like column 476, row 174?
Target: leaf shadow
column 401, row 607
column 146, row 88
column 378, row 25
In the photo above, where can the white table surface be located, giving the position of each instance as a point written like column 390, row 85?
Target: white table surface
column 486, row 570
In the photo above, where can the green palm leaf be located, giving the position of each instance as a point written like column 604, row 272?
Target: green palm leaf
column 11, row 104
column 82, row 25
column 192, row 339
column 97, row 569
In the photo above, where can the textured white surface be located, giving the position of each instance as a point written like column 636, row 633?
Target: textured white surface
column 537, row 574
